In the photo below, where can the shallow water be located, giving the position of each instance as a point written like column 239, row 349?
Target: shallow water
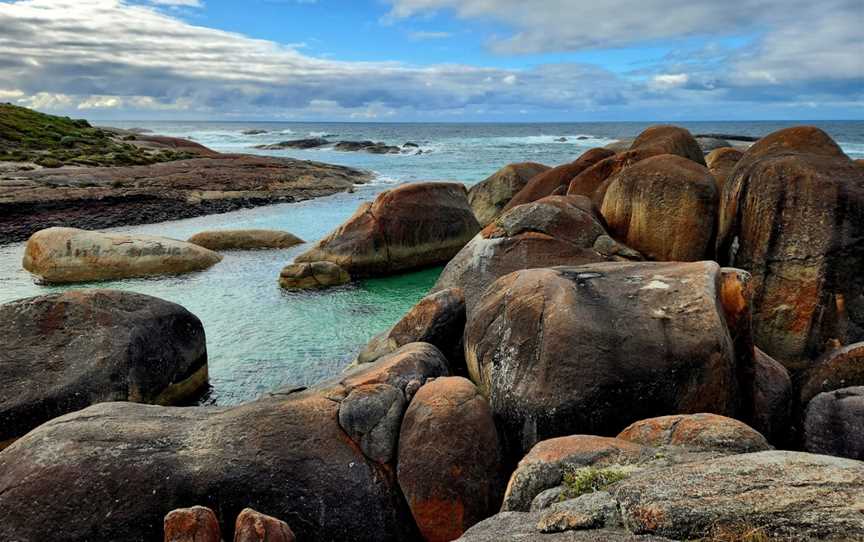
column 259, row 337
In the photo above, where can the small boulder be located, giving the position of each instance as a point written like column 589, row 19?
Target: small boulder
column 711, row 144
column 834, row 423
column 665, row 207
column 415, row 225
column 312, row 275
column 489, row 197
column 449, row 458
column 839, row 368
column 252, row 526
column 245, row 239
column 546, row 183
column 721, row 163
column 196, row 524
column 63, row 352
column 698, row 432
column 63, row 255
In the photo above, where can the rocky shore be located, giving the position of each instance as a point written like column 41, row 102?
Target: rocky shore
column 645, row 344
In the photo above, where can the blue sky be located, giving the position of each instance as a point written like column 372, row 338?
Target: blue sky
column 435, row 60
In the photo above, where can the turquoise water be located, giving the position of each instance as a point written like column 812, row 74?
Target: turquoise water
column 259, row 337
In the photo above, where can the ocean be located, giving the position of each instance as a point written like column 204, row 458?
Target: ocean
column 260, row 338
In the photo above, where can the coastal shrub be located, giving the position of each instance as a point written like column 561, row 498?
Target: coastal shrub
column 581, row 480
column 737, row 533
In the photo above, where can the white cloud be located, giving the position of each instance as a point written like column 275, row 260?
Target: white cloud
column 669, row 80
column 178, row 3
column 6, row 94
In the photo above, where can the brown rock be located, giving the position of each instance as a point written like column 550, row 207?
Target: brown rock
column 772, row 399
column 312, row 276
column 665, row 207
column 670, row 140
column 721, row 162
column 575, row 349
column 793, row 215
column 544, row 184
column 196, row 524
column 489, row 197
column 244, row 239
column 449, row 461
column 412, row 226
column 543, row 467
column 840, row 368
column 700, row 432
column 254, row 526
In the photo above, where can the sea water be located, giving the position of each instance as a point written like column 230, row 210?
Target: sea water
column 259, row 337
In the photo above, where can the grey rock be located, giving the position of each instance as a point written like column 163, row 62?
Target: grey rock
column 834, row 423
column 371, row 415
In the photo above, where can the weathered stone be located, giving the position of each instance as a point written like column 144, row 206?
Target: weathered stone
column 590, row 511
column 543, row 467
column 489, row 197
column 787, row 495
column 721, row 163
column 449, row 458
column 412, row 226
column 555, row 230
column 372, row 415
column 834, row 423
column 312, row 276
column 196, row 524
column 665, row 207
column 62, row 255
column 711, row 144
column 437, row 319
column 771, row 397
column 577, row 350
column 700, row 432
column 252, row 526
column 523, row 526
column 792, row 214
column 62, row 352
column 839, row 368
column 244, row 239
column 546, row 183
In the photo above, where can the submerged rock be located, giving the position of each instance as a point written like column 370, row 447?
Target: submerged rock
column 309, row 143
column 834, row 423
column 312, row 276
column 63, row 255
column 63, row 352
column 244, row 239
column 489, row 197
column 367, row 146
column 413, row 226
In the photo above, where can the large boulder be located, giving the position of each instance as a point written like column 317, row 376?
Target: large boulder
column 721, row 163
column 62, row 352
column 546, row 183
column 701, row 432
column 312, row 276
column 244, row 239
column 665, row 207
column 285, row 453
column 771, row 397
column 792, row 213
column 412, row 226
column 654, row 141
column 437, row 319
column 787, row 495
column 593, row 348
column 834, row 423
column 61, row 255
column 556, row 230
column 449, row 465
column 839, row 368
column 489, row 197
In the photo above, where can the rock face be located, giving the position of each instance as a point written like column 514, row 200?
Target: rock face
column 699, row 432
column 546, row 183
column 543, row 467
column 792, row 214
column 721, row 163
column 312, row 276
column 63, row 255
column 772, row 399
column 834, row 423
column 196, row 524
column 63, row 352
column 787, row 495
column 489, row 197
column 840, row 368
column 654, row 141
column 285, row 453
column 412, row 226
column 555, row 230
column 437, row 319
column 547, row 348
column 252, row 526
column 665, row 207
column 244, row 239
column 449, row 459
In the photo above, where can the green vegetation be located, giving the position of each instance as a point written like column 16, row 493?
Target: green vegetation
column 579, row 481
column 50, row 141
column 737, row 533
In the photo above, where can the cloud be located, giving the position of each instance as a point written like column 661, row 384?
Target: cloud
column 178, row 3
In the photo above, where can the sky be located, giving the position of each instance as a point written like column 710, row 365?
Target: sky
column 435, row 60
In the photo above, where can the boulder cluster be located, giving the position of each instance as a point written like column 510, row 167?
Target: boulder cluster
column 643, row 344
